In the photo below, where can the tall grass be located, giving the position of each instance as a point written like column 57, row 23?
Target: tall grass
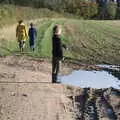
column 11, row 13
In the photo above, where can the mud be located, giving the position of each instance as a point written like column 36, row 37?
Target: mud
column 96, row 105
column 26, row 93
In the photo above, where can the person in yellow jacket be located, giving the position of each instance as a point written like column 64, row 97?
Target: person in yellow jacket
column 21, row 34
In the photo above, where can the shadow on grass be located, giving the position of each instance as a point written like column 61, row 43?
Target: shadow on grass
column 8, row 51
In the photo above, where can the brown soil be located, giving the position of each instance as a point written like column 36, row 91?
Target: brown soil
column 26, row 93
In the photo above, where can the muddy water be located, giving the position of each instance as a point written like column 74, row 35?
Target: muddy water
column 108, row 76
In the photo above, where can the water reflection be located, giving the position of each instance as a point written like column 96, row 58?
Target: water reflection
column 109, row 76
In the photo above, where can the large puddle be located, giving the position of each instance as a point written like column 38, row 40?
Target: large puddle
column 108, row 76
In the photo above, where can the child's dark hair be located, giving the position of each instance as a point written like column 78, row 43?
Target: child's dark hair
column 20, row 21
column 55, row 28
column 31, row 24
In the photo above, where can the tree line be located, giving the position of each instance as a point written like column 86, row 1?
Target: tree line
column 87, row 9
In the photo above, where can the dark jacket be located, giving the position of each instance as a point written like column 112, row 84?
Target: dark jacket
column 57, row 50
column 32, row 35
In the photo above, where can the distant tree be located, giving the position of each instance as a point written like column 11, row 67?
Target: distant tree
column 118, row 10
column 112, row 9
column 1, row 1
column 118, row 3
column 84, row 8
column 102, row 9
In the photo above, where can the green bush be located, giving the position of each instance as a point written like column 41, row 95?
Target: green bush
column 112, row 9
column 88, row 10
column 84, row 9
column 118, row 13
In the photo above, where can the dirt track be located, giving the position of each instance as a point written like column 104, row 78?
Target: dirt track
column 26, row 93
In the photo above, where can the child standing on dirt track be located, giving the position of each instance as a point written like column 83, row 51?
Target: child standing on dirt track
column 57, row 52
column 32, row 36
column 21, row 34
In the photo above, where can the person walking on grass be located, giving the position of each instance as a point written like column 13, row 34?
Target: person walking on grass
column 32, row 33
column 57, row 52
column 21, row 34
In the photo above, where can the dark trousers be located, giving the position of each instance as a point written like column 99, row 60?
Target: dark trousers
column 32, row 44
column 55, row 69
column 21, row 45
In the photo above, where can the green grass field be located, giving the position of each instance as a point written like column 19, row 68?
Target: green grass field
column 95, row 42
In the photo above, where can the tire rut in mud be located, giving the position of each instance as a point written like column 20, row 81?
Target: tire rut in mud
column 96, row 105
